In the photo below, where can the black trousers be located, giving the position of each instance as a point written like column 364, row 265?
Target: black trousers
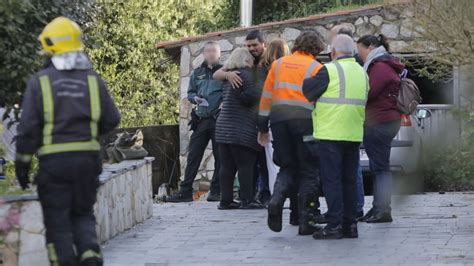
column 201, row 136
column 298, row 160
column 67, row 189
column 237, row 159
column 339, row 165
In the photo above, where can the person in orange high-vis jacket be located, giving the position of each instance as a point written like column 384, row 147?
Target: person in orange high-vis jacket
column 286, row 109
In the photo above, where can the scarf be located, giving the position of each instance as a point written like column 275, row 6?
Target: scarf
column 374, row 54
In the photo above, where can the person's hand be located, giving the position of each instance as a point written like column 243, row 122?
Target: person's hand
column 234, row 79
column 197, row 99
column 22, row 169
column 263, row 138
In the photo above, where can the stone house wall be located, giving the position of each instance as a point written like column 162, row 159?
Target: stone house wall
column 395, row 23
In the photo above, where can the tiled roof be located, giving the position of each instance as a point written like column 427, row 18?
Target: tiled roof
column 183, row 41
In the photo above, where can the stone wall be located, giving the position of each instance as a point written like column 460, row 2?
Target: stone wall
column 396, row 23
column 124, row 199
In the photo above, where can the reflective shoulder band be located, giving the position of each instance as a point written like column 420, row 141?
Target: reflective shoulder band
column 95, row 104
column 48, row 109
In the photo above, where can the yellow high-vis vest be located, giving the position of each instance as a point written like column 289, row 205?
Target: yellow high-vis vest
column 340, row 112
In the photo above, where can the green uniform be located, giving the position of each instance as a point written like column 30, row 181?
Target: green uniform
column 202, row 84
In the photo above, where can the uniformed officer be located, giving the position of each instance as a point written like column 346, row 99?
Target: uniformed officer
column 206, row 94
column 65, row 108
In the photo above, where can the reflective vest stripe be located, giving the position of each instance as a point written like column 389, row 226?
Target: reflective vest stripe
column 48, row 110
column 92, row 145
column 90, row 254
column 95, row 104
column 289, row 85
column 267, row 94
column 342, row 90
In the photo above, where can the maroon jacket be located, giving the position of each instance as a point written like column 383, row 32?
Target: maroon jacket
column 384, row 82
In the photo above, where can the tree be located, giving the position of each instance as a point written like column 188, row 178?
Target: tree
column 142, row 79
column 21, row 21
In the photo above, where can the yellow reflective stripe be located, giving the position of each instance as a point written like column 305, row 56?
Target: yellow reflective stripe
column 53, row 257
column 95, row 104
column 22, row 157
column 48, row 109
column 90, row 254
column 92, row 145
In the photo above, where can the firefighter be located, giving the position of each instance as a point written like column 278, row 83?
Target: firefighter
column 65, row 108
column 284, row 106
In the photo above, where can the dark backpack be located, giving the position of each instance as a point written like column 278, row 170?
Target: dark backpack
column 408, row 96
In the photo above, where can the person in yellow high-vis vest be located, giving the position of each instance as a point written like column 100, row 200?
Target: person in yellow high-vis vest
column 65, row 108
column 340, row 91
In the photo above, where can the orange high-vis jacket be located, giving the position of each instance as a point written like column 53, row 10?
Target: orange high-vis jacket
column 283, row 86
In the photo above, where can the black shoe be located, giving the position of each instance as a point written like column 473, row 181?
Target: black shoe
column 228, row 205
column 275, row 214
column 350, row 231
column 328, row 233
column 380, row 217
column 250, row 205
column 366, row 216
column 320, row 218
column 213, row 197
column 179, row 197
column 294, row 219
column 359, row 215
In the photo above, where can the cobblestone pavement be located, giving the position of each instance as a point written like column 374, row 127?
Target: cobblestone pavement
column 428, row 229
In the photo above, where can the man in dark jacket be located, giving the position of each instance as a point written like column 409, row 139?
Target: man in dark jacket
column 65, row 108
column 206, row 93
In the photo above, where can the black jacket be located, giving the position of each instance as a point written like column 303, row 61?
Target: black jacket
column 72, row 109
column 237, row 122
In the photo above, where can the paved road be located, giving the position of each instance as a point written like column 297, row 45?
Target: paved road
column 428, row 229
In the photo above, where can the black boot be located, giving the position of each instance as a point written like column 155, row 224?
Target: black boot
column 294, row 216
column 294, row 219
column 308, row 206
column 275, row 206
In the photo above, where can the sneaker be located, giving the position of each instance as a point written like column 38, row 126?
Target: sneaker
column 211, row 197
column 350, row 231
column 328, row 233
column 179, row 197
column 251, row 205
column 228, row 205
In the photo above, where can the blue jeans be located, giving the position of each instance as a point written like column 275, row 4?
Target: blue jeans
column 339, row 161
column 360, row 194
column 377, row 144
